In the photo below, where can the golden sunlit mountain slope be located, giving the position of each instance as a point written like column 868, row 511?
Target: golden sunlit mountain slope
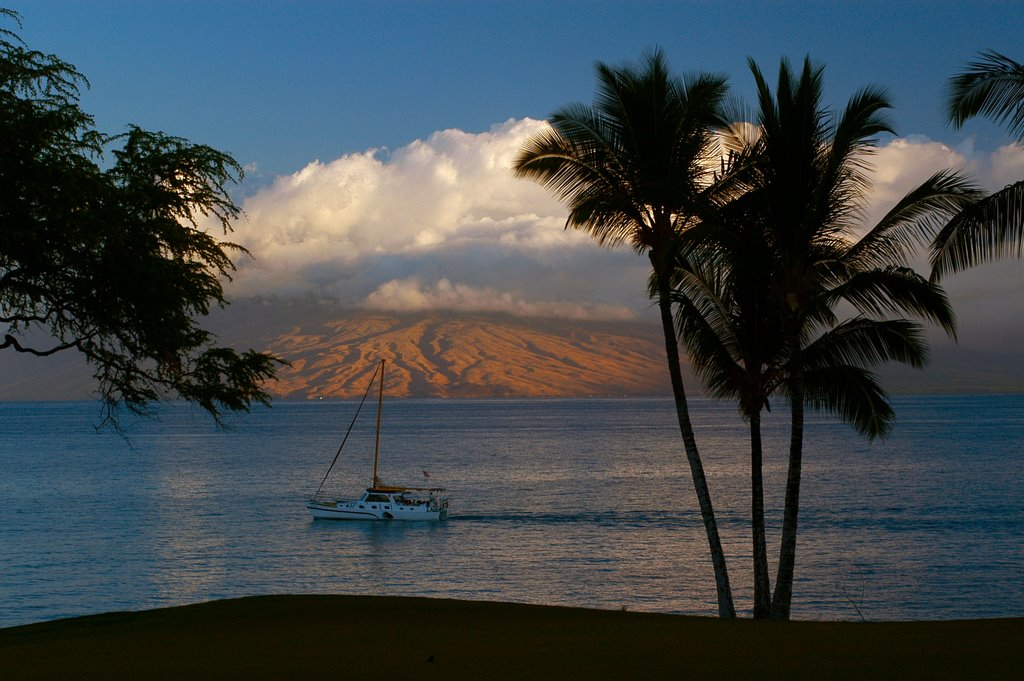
column 470, row 356
column 334, row 352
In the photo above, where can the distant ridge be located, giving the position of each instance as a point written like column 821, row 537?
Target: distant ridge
column 433, row 355
column 334, row 351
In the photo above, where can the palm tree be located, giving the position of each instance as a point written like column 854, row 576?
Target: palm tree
column 634, row 168
column 993, row 86
column 761, row 319
column 729, row 323
column 733, row 348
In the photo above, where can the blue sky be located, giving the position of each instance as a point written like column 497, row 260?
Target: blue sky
column 280, row 84
column 378, row 135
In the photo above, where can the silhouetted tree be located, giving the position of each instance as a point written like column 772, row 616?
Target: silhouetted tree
column 993, row 86
column 728, row 323
column 634, row 168
column 101, row 248
column 758, row 312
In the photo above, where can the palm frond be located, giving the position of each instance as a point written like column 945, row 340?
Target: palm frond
column 915, row 219
column 862, row 120
column 712, row 348
column 854, row 395
column 577, row 163
column 867, row 342
column 845, row 168
column 768, row 111
column 896, row 291
column 702, row 316
column 990, row 229
column 993, row 86
column 632, row 166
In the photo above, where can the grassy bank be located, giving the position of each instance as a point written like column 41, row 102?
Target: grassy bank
column 333, row 637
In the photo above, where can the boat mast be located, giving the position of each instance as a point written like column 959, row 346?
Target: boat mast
column 380, row 405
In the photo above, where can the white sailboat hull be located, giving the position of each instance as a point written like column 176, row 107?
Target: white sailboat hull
column 391, row 507
column 380, row 502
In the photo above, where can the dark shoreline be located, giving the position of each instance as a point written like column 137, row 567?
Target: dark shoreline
column 276, row 637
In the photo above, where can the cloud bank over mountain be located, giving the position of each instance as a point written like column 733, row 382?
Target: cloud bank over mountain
column 441, row 224
column 410, row 295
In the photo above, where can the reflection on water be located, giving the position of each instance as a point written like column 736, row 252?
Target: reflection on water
column 584, row 502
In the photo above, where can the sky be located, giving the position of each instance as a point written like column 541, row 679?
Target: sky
column 377, row 135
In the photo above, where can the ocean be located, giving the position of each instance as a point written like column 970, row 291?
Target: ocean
column 582, row 502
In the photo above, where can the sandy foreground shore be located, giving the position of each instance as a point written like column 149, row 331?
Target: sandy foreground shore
column 350, row 637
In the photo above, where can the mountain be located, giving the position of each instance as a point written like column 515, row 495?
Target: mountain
column 333, row 352
column 433, row 355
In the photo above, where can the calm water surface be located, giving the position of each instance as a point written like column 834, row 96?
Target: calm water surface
column 575, row 502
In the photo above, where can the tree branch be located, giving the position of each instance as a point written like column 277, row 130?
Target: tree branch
column 12, row 342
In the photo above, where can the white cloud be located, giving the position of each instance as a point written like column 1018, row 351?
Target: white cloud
column 442, row 223
column 989, row 309
column 447, row 206
column 1007, row 166
column 410, row 295
column 903, row 164
column 453, row 187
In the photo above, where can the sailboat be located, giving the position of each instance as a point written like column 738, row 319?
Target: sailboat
column 379, row 501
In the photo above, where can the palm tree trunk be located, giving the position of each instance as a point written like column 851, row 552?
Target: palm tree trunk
column 783, row 596
column 762, row 585
column 700, row 483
